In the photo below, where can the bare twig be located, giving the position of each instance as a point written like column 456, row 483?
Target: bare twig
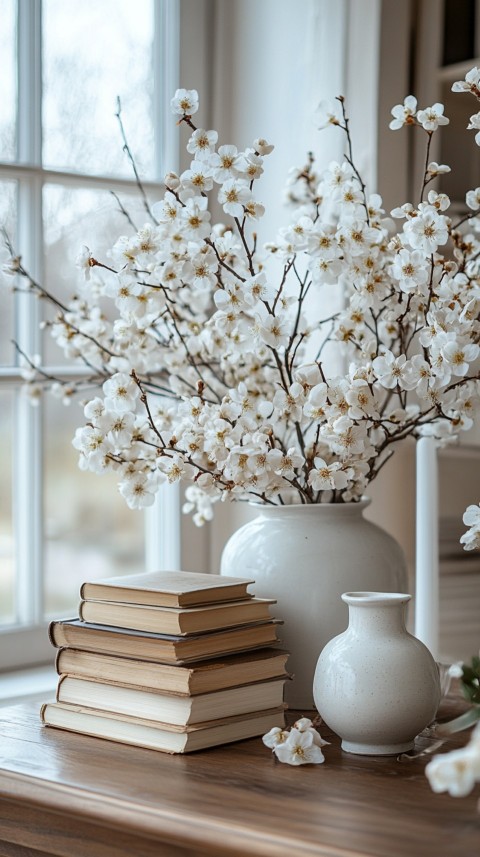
column 128, row 152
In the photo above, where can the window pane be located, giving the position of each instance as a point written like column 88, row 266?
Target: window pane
column 74, row 217
column 7, row 222
column 8, row 78
column 7, row 599
column 90, row 531
column 94, row 52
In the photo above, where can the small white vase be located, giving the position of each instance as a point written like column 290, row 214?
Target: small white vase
column 305, row 556
column 376, row 685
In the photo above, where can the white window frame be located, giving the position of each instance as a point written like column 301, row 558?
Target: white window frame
column 27, row 642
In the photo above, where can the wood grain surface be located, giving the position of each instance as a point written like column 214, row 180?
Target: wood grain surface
column 71, row 795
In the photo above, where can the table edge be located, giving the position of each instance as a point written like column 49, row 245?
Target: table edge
column 166, row 825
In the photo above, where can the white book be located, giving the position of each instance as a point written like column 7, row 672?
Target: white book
column 144, row 733
column 170, row 708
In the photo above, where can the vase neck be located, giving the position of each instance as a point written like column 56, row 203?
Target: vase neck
column 376, row 613
column 314, row 511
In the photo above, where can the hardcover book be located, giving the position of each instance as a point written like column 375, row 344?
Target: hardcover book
column 169, row 708
column 164, row 648
column 168, row 739
column 200, row 677
column 176, row 620
column 167, row 589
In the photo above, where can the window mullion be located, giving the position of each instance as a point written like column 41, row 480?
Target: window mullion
column 30, row 82
column 162, row 520
column 28, row 476
column 166, row 77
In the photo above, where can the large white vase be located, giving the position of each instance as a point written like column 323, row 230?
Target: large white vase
column 306, row 556
column 376, row 685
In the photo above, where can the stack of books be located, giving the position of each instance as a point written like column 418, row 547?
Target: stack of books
column 175, row 661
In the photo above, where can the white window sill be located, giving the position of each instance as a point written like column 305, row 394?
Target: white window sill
column 37, row 683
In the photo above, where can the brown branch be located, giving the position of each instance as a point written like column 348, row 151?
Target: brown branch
column 128, row 152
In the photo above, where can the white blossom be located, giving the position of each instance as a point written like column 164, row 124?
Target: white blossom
column 196, row 219
column 472, row 199
column 471, row 82
column 459, row 355
column 299, row 745
column 419, row 375
column 434, row 169
column 327, row 113
column 262, row 147
column 198, row 179
column 455, row 772
column 474, row 125
column 225, row 163
column 251, row 165
column 171, row 180
column 410, row 269
column 272, row 330
column 84, row 262
column 175, row 467
column 121, row 393
column 139, row 491
column 391, row 370
column 345, row 437
column 202, row 143
column 327, row 476
column 285, row 463
column 185, row 102
column 233, row 195
column 403, row 114
column 471, row 518
column 306, row 725
column 426, row 231
column 299, row 749
column 432, row 117
column 276, row 736
column 253, row 209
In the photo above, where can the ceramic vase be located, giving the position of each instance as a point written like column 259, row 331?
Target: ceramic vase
column 376, row 685
column 306, row 556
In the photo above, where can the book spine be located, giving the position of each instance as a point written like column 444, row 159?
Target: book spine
column 56, row 635
column 58, row 659
column 60, row 682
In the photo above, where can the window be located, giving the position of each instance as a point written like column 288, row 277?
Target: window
column 62, row 66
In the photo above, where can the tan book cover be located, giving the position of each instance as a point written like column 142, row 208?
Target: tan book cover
column 169, row 708
column 168, row 739
column 176, row 620
column 161, row 648
column 167, row 589
column 189, row 680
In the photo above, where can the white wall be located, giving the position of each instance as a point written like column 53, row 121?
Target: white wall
column 275, row 60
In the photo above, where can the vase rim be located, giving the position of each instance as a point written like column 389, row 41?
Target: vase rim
column 291, row 508
column 369, row 599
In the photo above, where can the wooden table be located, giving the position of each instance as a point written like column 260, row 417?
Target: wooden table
column 76, row 796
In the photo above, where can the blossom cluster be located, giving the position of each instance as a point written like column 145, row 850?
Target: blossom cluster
column 471, row 519
column 471, row 84
column 300, row 745
column 458, row 771
column 214, row 369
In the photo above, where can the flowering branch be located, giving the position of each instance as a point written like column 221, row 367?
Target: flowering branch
column 214, row 366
